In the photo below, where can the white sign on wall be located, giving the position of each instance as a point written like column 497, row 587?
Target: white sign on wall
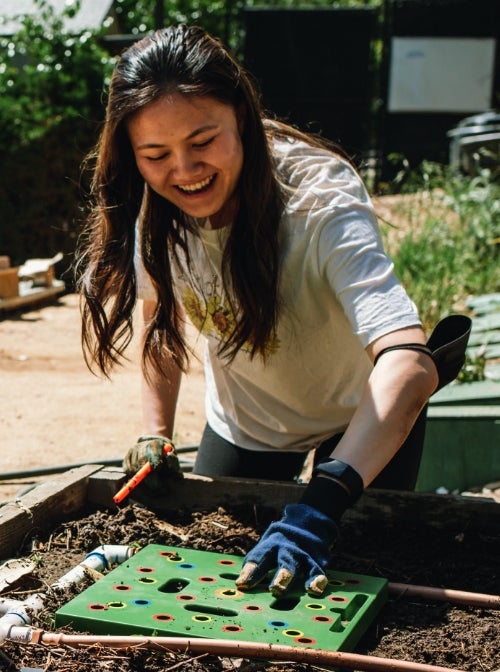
column 441, row 74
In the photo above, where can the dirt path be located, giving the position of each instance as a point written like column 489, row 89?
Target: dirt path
column 53, row 411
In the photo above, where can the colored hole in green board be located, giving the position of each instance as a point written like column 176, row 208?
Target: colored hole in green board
column 185, row 598
column 141, row 603
column 201, row 619
column 122, row 587
column 186, row 565
column 232, row 628
column 173, row 586
column 116, row 605
column 252, row 607
column 97, row 607
column 163, row 617
column 278, row 624
column 337, row 598
column 228, row 592
column 322, row 619
column 207, row 579
column 146, row 570
column 229, row 576
column 227, row 563
column 293, row 633
column 147, row 580
column 304, row 640
column 315, row 605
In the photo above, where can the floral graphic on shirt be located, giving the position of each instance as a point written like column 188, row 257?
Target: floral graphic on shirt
column 213, row 316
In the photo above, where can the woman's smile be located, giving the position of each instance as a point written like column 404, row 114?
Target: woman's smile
column 198, row 186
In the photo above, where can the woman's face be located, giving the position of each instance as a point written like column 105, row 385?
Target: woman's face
column 189, row 151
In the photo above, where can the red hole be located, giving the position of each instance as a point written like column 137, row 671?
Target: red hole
column 232, row 628
column 322, row 619
column 97, row 607
column 337, row 598
column 226, row 562
column 304, row 640
column 185, row 598
column 252, row 607
column 163, row 617
column 122, row 587
column 145, row 570
column 206, row 579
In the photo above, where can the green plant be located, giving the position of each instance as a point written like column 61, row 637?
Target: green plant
column 51, row 84
column 450, row 248
column 47, row 75
column 473, row 369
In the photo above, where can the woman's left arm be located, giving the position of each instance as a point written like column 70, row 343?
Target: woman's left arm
column 397, row 390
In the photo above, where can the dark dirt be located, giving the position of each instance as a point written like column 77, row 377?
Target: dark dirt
column 407, row 629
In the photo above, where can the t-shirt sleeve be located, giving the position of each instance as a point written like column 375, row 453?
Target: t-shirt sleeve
column 352, row 259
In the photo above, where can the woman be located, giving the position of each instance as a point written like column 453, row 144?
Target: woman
column 266, row 240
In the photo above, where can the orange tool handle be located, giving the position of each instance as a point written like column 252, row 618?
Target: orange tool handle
column 137, row 478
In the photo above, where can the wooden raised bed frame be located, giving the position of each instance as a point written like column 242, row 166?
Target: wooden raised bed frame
column 63, row 496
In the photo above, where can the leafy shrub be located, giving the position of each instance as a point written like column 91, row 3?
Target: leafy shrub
column 451, row 246
column 50, row 105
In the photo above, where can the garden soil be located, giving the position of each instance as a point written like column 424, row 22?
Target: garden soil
column 53, row 411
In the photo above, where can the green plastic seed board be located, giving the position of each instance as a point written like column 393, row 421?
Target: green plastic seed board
column 168, row 591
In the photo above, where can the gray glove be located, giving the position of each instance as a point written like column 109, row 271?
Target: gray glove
column 164, row 462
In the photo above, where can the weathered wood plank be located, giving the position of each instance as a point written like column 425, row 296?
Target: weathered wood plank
column 43, row 507
column 64, row 496
column 103, row 484
column 382, row 507
column 31, row 297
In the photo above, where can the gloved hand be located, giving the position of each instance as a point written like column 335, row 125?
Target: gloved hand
column 299, row 542
column 165, row 464
column 302, row 540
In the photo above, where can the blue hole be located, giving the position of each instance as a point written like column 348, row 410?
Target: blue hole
column 278, row 624
column 186, row 565
column 141, row 603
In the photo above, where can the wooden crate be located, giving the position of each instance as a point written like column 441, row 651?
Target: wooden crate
column 9, row 283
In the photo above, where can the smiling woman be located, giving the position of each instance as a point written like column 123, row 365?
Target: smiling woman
column 189, row 151
column 265, row 237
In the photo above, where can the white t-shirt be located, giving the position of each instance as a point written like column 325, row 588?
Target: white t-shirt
column 338, row 293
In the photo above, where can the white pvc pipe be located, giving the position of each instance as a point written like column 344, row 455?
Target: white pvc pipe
column 102, row 557
column 18, row 613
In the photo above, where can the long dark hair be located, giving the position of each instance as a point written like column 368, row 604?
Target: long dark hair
column 184, row 60
column 188, row 61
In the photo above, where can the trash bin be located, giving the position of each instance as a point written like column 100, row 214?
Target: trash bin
column 475, row 143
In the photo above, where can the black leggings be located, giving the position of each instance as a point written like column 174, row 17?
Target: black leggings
column 218, row 457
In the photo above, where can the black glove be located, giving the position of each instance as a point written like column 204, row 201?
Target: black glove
column 448, row 343
column 164, row 462
column 302, row 540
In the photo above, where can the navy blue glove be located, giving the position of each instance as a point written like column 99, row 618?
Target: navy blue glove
column 299, row 542
column 302, row 540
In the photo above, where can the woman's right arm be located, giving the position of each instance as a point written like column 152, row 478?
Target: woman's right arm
column 159, row 390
